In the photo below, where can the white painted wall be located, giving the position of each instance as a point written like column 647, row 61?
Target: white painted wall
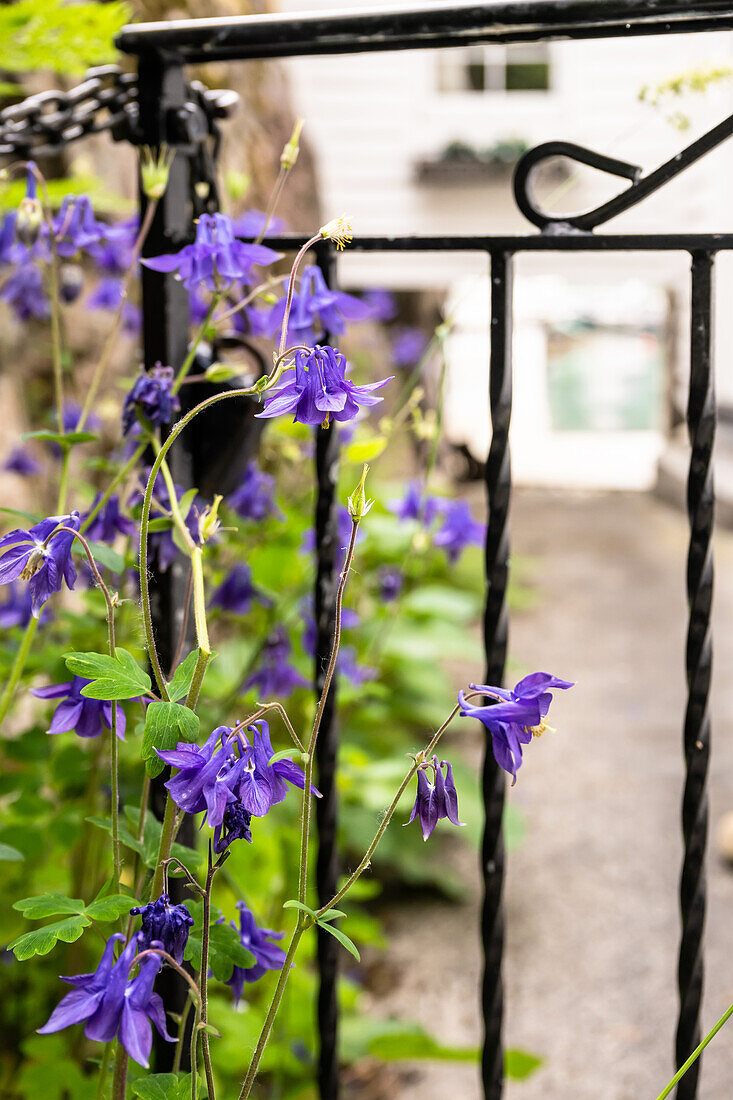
column 372, row 117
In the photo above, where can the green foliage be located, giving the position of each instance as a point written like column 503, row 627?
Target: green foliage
column 165, row 725
column 225, row 948
column 182, row 677
column 43, row 940
column 163, row 1086
column 59, row 36
column 118, row 677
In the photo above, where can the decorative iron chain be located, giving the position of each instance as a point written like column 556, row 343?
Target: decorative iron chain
column 106, row 100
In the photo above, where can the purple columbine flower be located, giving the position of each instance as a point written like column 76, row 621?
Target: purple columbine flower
column 87, row 717
column 316, row 309
column 164, row 925
column 436, row 800
column 253, row 498
column 207, row 776
column 236, row 593
column 21, row 461
column 390, row 583
column 110, row 1005
column 517, row 718
column 216, row 258
column 259, row 941
column 275, row 678
column 76, row 227
column 235, row 826
column 408, row 347
column 16, row 610
column 416, row 504
column 152, row 397
column 45, row 567
column 262, row 785
column 109, row 521
column 381, row 304
column 318, row 390
column 25, row 294
column 459, row 530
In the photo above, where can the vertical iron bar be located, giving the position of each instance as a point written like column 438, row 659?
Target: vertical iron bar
column 328, row 554
column 701, row 419
column 498, row 486
column 162, row 92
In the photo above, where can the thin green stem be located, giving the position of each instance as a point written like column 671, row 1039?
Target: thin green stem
column 203, row 980
column 64, row 481
column 194, row 1053
column 181, row 1033
column 305, row 821
column 18, row 665
column 291, row 288
column 272, row 1013
column 103, row 1071
column 111, row 340
column 164, row 848
column 119, row 1079
column 696, row 1054
column 426, row 754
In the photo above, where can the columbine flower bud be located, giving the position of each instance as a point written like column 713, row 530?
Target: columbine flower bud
column 209, row 522
column 29, row 218
column 358, row 504
column 339, row 231
column 290, row 152
column 155, row 166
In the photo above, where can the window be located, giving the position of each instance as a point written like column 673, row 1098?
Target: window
column 517, row 68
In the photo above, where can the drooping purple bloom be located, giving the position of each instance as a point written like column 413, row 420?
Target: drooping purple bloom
column 275, row 678
column 520, row 715
column 436, row 800
column 458, row 530
column 262, row 785
column 318, row 390
column 16, row 610
column 21, row 461
column 390, row 583
column 87, row 717
column 252, row 222
column 113, row 253
column 152, row 397
column 207, row 776
column 408, row 347
column 109, row 1004
column 259, row 941
column 216, row 258
column 316, row 309
column 198, row 307
column 167, row 924
column 45, row 567
column 76, row 227
column 254, row 496
column 236, row 593
column 72, row 415
column 235, row 826
column 416, row 504
column 107, row 294
column 109, row 521
column 7, row 238
column 381, row 303
column 25, row 294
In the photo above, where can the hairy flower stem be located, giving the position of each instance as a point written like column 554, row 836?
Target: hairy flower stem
column 111, row 341
column 273, row 1010
column 426, row 754
column 119, row 1078
column 203, row 980
column 305, row 821
column 696, row 1054
column 291, row 288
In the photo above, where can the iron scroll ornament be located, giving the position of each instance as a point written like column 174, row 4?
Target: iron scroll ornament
column 640, row 187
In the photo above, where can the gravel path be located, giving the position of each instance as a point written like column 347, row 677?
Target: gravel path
column 592, row 922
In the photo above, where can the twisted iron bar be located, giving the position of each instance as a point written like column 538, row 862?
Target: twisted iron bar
column 496, row 622
column 701, row 418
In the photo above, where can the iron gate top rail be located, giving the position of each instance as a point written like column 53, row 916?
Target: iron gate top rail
column 420, row 27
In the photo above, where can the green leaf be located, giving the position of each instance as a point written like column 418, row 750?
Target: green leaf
column 9, row 854
column 285, row 754
column 182, row 677
column 367, row 450
column 110, row 907
column 48, row 905
column 118, row 677
column 300, row 905
column 69, row 439
column 31, row 517
column 162, row 1086
column 410, row 1046
column 105, row 555
column 520, row 1064
column 43, row 940
column 331, row 914
column 225, row 947
column 165, row 725
column 342, row 938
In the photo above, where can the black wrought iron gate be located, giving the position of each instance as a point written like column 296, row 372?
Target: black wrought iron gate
column 161, row 106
